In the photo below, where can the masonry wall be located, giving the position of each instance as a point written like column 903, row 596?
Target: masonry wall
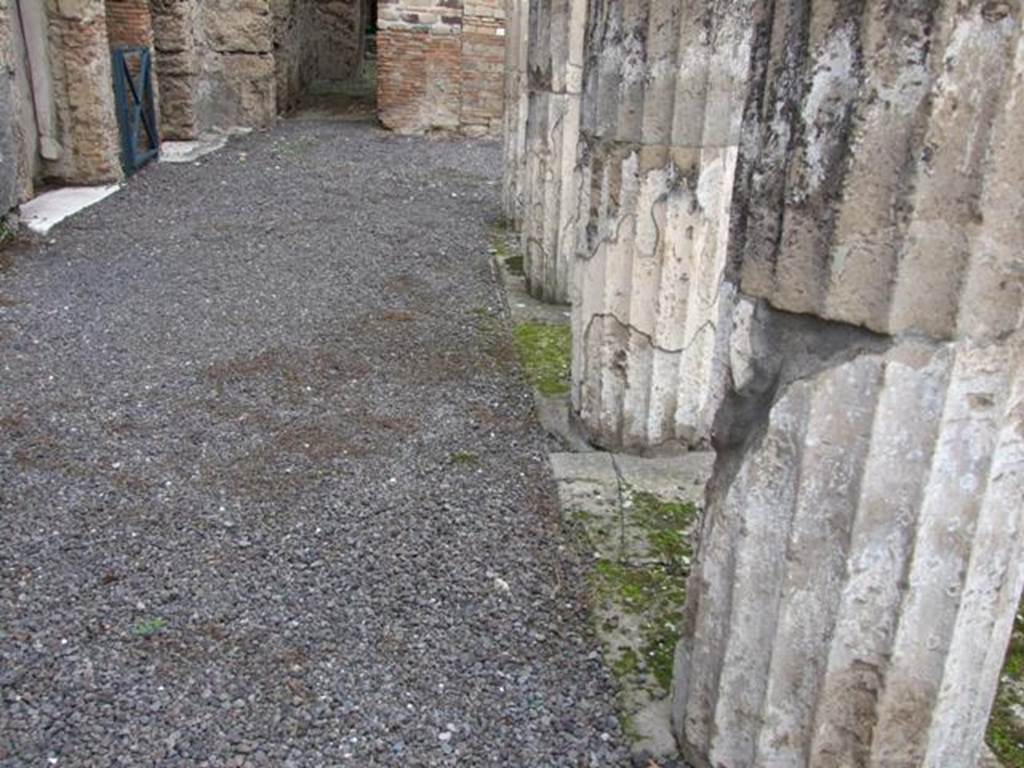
column 236, row 81
column 441, row 67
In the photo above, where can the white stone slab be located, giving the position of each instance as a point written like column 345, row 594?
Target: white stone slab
column 47, row 210
column 190, row 151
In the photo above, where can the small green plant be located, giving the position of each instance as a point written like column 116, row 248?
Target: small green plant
column 660, row 639
column 464, row 458
column 149, row 627
column 545, row 351
column 499, row 246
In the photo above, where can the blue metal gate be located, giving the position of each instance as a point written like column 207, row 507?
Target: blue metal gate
column 136, row 114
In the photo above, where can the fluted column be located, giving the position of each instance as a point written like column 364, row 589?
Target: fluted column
column 550, row 177
column 862, row 554
column 666, row 89
column 517, row 15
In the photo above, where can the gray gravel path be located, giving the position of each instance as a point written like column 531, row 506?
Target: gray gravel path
column 271, row 492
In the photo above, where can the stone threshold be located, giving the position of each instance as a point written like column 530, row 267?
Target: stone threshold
column 43, row 212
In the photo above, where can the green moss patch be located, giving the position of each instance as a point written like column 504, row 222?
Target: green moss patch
column 667, row 526
column 1006, row 726
column 653, row 595
column 515, row 266
column 545, row 351
column 7, row 233
column 499, row 246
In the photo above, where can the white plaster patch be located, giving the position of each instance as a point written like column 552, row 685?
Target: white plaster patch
column 43, row 213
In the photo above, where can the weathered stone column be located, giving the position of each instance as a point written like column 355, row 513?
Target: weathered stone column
column 551, row 181
column 84, row 93
column 517, row 13
column 666, row 87
column 177, row 66
column 862, row 554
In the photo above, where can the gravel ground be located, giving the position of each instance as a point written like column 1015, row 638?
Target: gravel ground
column 270, row 486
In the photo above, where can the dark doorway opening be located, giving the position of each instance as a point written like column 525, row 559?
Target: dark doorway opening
column 331, row 51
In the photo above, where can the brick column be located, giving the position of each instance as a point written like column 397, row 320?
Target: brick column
column 129, row 23
column 439, row 67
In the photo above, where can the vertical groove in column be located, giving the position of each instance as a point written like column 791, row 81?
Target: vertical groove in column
column 665, row 90
column 864, row 603
column 551, row 179
column 871, row 159
column 516, row 108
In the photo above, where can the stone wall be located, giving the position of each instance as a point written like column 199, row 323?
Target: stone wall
column 799, row 237
column 441, row 67
column 236, row 64
column 32, row 113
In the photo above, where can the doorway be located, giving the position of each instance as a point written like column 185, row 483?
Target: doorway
column 326, row 60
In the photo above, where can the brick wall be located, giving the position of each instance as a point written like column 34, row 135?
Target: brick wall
column 129, row 23
column 440, row 65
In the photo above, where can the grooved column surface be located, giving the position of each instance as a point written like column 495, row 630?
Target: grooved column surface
column 663, row 103
column 551, row 180
column 860, row 567
column 516, row 105
column 882, row 160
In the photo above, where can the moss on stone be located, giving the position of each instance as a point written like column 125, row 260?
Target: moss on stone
column 545, row 351
column 659, row 649
column 1006, row 726
column 626, row 664
column 636, row 589
column 654, row 594
column 515, row 266
column 667, row 527
column 7, row 232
